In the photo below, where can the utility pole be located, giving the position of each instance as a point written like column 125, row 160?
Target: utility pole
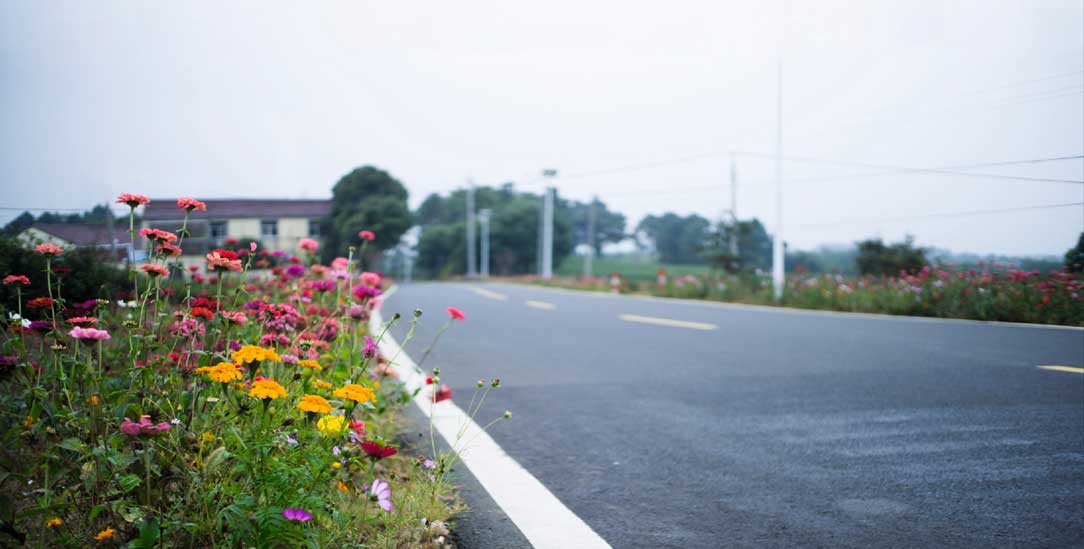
column 777, row 240
column 733, row 207
column 483, row 219
column 588, row 261
column 547, row 234
column 547, row 226
column 472, row 241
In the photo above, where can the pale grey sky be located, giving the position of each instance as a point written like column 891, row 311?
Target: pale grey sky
column 270, row 99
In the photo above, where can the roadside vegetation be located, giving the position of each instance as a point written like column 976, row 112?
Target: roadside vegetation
column 216, row 408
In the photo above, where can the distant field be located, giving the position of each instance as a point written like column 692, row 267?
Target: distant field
column 631, row 270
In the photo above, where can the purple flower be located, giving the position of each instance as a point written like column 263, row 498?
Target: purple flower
column 143, row 428
column 370, row 347
column 429, row 464
column 381, row 494
column 295, row 270
column 299, row 515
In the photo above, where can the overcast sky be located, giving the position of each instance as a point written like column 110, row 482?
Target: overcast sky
column 269, row 99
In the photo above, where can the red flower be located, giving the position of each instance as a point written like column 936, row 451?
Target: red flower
column 40, row 302
column 133, row 200
column 377, row 450
column 21, row 279
column 166, row 248
column 444, row 392
column 456, row 313
column 367, row 235
column 202, row 312
column 190, row 204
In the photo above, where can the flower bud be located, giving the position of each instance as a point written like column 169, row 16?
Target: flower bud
column 481, row 383
column 507, row 414
column 496, row 383
column 417, row 313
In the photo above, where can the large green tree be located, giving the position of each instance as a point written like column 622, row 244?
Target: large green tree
column 754, row 246
column 368, row 199
column 877, row 258
column 677, row 239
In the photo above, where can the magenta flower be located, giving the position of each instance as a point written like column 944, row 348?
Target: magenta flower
column 299, row 515
column 370, row 347
column 143, row 428
column 89, row 334
column 381, row 494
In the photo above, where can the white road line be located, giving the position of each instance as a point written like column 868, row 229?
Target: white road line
column 486, row 293
column 1070, row 369
column 540, row 304
column 807, row 312
column 668, row 322
column 539, row 515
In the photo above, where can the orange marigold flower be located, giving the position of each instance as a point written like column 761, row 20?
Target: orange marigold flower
column 53, row 522
column 252, row 353
column 315, row 404
column 105, row 534
column 342, row 487
column 310, row 364
column 266, row 389
column 223, row 372
column 321, row 384
column 355, row 392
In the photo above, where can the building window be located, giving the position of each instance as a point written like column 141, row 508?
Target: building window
column 314, row 227
column 269, row 228
column 218, row 229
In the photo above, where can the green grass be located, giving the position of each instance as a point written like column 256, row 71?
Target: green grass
column 629, row 269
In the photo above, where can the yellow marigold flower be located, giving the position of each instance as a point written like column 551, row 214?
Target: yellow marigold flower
column 93, row 400
column 252, row 353
column 310, row 364
column 322, row 384
column 314, row 403
column 55, row 521
column 208, row 437
column 105, row 534
column 342, row 487
column 223, row 372
column 336, row 465
column 331, row 425
column 355, row 392
column 267, row 388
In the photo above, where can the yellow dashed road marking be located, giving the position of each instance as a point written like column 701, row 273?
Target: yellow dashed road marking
column 668, row 322
column 486, row 293
column 1064, row 369
column 540, row 304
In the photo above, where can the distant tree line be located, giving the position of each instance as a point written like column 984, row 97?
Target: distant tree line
column 96, row 215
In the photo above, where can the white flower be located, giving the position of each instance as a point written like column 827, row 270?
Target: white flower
column 25, row 322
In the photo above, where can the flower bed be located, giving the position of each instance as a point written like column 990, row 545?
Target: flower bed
column 220, row 410
column 996, row 292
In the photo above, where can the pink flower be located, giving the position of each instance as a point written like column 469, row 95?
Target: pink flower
column 367, row 235
column 371, row 280
column 220, row 260
column 299, row 515
column 308, row 245
column 158, row 235
column 12, row 279
column 456, row 314
column 89, row 334
column 143, row 428
column 190, row 204
column 381, row 494
column 340, row 263
column 48, row 249
column 133, row 200
column 154, row 270
column 251, row 246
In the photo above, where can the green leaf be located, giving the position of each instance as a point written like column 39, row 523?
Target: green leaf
column 73, row 444
column 128, row 482
column 215, row 458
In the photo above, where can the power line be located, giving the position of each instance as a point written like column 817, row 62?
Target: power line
column 907, row 169
column 955, row 167
column 940, row 215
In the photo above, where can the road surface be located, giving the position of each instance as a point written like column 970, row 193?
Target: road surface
column 684, row 424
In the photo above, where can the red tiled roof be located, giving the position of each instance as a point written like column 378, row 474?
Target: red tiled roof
column 85, row 235
column 165, row 209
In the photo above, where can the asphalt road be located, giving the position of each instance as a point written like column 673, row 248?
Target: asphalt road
column 776, row 428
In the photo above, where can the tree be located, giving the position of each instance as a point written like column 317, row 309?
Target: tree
column 754, row 246
column 19, row 224
column 609, row 226
column 1074, row 258
column 368, row 199
column 513, row 231
column 877, row 258
column 677, row 239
